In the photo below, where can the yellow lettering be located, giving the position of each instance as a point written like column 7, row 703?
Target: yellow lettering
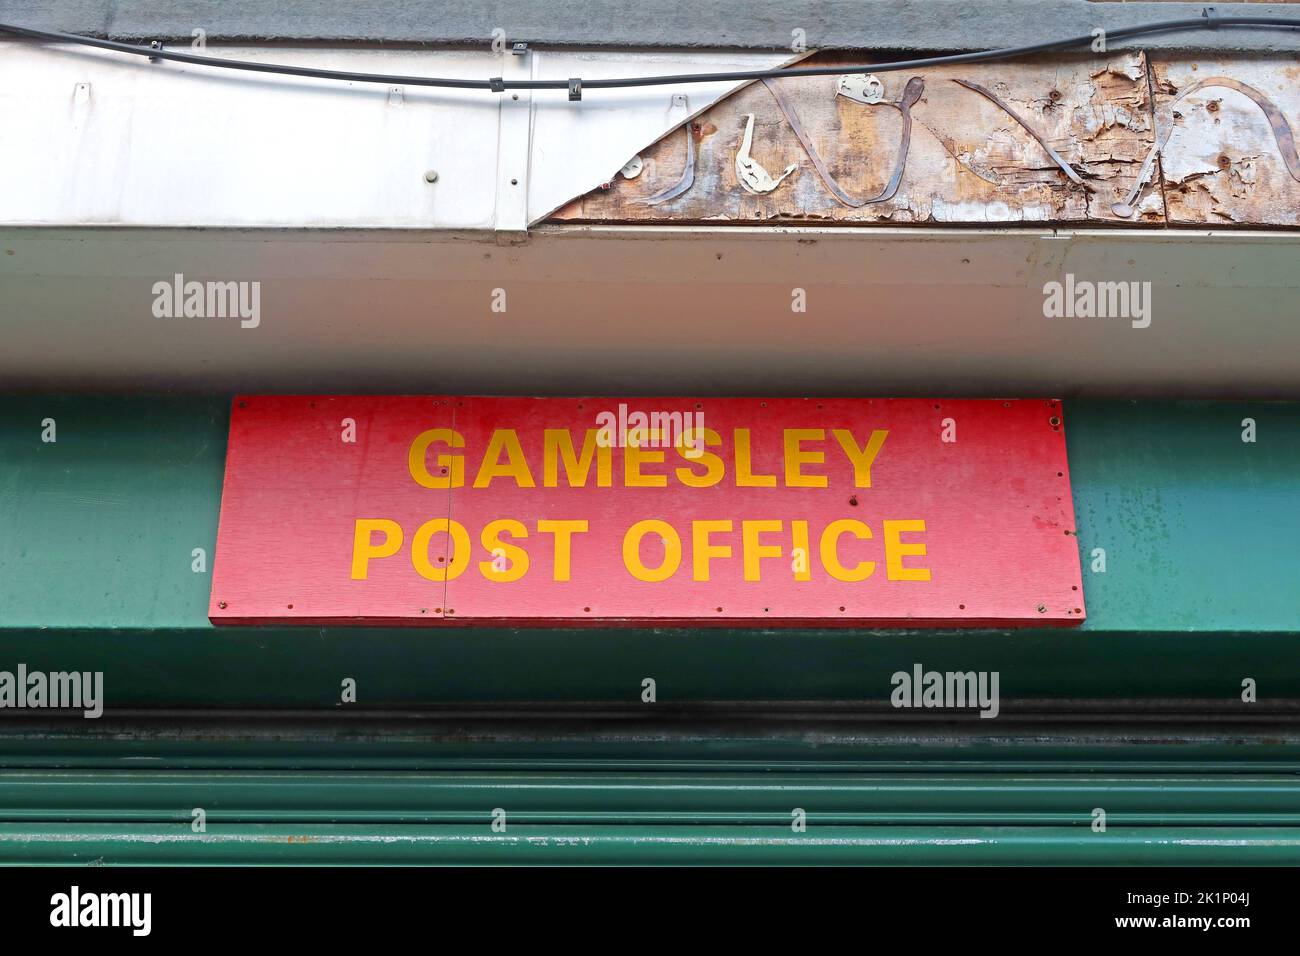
column 702, row 551
column 745, row 478
column 896, row 550
column 363, row 549
column 564, row 532
column 632, row 550
column 799, row 534
column 459, row 560
column 557, row 443
column 795, row 456
column 515, row 555
column 507, row 440
column 713, row 466
column 830, row 550
column 417, row 459
column 634, row 456
column 753, row 549
column 861, row 457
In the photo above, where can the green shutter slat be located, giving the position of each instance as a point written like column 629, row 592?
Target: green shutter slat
column 108, row 844
column 667, row 798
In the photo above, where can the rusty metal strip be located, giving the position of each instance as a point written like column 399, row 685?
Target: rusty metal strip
column 1126, row 209
column 790, row 117
column 1056, row 157
column 1282, row 134
column 688, row 173
column 911, row 93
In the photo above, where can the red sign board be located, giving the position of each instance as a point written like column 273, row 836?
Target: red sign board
column 828, row 512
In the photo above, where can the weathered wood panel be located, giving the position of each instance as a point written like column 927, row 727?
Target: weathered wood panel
column 1227, row 129
column 1224, row 161
column 969, row 160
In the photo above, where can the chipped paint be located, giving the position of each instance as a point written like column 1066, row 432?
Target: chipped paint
column 1070, row 140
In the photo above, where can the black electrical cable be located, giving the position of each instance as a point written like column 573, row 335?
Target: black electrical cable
column 1207, row 21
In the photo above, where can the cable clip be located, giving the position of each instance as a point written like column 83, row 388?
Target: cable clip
column 1211, row 16
column 497, row 84
column 575, row 88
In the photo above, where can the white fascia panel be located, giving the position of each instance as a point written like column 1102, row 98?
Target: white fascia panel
column 92, row 137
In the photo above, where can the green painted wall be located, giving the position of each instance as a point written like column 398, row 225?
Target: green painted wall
column 1202, row 587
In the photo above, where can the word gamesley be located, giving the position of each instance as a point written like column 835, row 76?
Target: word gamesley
column 179, row 299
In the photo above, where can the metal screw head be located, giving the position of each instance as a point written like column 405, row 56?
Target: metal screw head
column 431, row 176
column 1042, row 609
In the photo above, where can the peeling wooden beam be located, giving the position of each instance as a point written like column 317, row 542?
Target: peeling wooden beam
column 1070, row 140
column 1225, row 162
